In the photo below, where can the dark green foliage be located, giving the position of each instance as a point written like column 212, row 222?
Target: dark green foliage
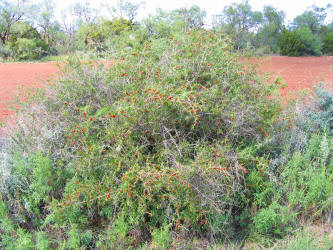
column 290, row 44
column 328, row 44
column 311, row 42
column 263, row 31
column 270, row 33
column 300, row 42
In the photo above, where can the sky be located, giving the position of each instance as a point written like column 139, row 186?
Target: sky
column 292, row 8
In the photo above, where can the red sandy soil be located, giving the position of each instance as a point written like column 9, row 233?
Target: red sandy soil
column 14, row 76
column 298, row 72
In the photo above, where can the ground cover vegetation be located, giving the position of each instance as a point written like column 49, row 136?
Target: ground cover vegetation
column 32, row 32
column 171, row 144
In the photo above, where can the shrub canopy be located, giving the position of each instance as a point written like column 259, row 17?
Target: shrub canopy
column 158, row 138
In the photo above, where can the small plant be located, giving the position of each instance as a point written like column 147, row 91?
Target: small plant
column 274, row 220
column 162, row 237
column 321, row 111
column 280, row 82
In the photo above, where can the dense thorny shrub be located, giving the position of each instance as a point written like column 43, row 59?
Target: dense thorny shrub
column 158, row 139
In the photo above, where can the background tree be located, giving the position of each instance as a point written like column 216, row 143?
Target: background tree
column 328, row 44
column 94, row 35
column 124, row 10
column 159, row 25
column 239, row 21
column 290, row 44
column 11, row 13
column 81, row 27
column 300, row 42
column 164, row 23
column 26, row 43
column 193, row 17
column 46, row 23
column 313, row 18
column 272, row 26
column 312, row 43
column 84, row 12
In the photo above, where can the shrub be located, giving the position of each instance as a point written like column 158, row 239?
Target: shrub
column 290, row 44
column 162, row 237
column 309, row 181
column 163, row 137
column 311, row 42
column 298, row 171
column 25, row 43
column 29, row 49
column 300, row 183
column 297, row 190
column 5, row 52
column 93, row 36
column 299, row 42
column 321, row 111
column 328, row 44
column 273, row 220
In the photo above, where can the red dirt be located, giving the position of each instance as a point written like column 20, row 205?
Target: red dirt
column 16, row 75
column 298, row 72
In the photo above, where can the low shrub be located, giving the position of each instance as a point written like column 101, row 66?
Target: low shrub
column 5, row 52
column 321, row 113
column 274, row 220
column 298, row 190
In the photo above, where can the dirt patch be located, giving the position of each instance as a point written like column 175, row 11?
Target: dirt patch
column 14, row 76
column 299, row 72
